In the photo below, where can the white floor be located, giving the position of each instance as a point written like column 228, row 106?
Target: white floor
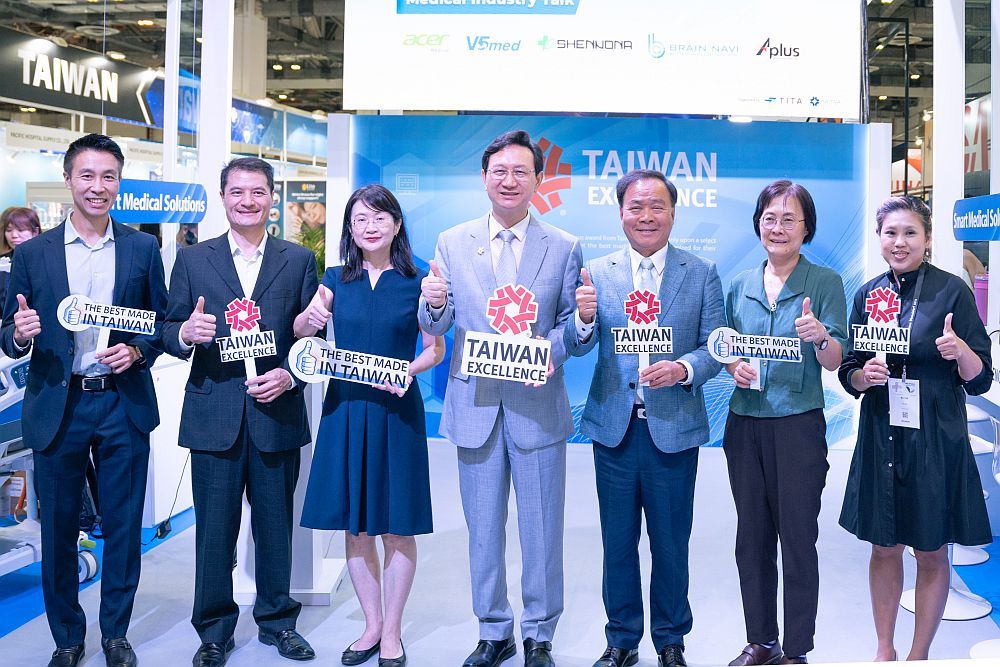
column 439, row 626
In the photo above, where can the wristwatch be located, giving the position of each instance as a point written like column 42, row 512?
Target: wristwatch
column 823, row 344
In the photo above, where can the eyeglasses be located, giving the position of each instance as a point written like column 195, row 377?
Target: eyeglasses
column 501, row 174
column 788, row 222
column 361, row 222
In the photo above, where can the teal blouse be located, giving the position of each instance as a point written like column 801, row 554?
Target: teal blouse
column 788, row 388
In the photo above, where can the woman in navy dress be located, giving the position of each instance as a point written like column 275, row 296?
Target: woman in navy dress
column 369, row 472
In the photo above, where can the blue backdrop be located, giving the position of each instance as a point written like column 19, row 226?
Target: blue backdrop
column 433, row 165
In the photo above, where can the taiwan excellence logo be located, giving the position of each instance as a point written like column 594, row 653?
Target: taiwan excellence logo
column 556, row 176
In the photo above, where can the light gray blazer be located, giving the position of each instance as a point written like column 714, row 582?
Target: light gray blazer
column 691, row 303
column 549, row 267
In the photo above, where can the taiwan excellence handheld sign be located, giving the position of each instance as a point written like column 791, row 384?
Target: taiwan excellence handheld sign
column 315, row 360
column 643, row 336
column 882, row 333
column 247, row 341
column 727, row 345
column 78, row 313
column 511, row 353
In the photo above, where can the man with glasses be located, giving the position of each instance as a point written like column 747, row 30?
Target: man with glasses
column 81, row 401
column 244, row 433
column 508, row 431
column 647, row 423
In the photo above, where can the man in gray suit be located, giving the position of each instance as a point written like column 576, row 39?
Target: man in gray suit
column 507, row 430
column 647, row 423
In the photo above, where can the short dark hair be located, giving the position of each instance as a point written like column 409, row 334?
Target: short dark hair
column 904, row 203
column 247, row 164
column 514, row 138
column 93, row 142
column 641, row 175
column 378, row 198
column 782, row 189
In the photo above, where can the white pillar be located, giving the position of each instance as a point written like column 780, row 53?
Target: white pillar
column 993, row 312
column 250, row 73
column 949, row 132
column 171, row 84
column 879, row 188
column 215, row 102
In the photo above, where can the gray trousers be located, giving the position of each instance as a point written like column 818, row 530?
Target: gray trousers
column 539, row 477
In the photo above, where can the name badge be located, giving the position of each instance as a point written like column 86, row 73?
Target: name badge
column 904, row 403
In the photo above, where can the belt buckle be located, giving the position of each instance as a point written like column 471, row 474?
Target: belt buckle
column 640, row 413
column 94, row 383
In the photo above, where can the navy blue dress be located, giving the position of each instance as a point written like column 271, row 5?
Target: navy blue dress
column 369, row 469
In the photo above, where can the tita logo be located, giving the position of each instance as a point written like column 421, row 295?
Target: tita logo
column 777, row 51
column 556, row 176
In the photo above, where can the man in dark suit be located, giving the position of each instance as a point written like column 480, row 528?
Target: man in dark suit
column 81, row 402
column 244, row 434
column 647, row 423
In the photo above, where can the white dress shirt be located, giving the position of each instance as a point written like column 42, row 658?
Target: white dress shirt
column 90, row 269
column 659, row 259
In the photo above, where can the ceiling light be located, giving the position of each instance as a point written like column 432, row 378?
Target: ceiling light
column 919, row 141
column 28, row 109
column 296, row 67
column 264, row 101
column 198, row 39
column 927, row 115
column 277, row 67
column 883, row 98
column 886, row 2
column 879, row 47
column 116, row 55
column 282, row 96
column 914, row 76
column 145, row 23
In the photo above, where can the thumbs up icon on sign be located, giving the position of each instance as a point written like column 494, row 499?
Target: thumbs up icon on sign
column 72, row 314
column 721, row 346
column 305, row 361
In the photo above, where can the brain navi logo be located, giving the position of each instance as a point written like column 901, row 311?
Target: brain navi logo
column 556, row 176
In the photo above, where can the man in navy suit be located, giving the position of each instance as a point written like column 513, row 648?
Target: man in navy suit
column 647, row 423
column 244, row 434
column 82, row 402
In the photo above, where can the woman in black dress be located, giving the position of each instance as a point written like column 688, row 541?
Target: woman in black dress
column 369, row 472
column 915, row 483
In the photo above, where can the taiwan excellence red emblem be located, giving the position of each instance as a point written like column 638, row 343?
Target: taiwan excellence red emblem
column 512, row 310
column 882, row 306
column 642, row 307
column 242, row 315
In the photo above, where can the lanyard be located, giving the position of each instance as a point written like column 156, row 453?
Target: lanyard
column 913, row 307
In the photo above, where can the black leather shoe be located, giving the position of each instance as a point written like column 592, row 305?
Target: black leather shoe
column 671, row 655
column 538, row 654
column 67, row 657
column 758, row 654
column 491, row 652
column 212, row 654
column 290, row 644
column 393, row 662
column 118, row 653
column 352, row 657
column 618, row 657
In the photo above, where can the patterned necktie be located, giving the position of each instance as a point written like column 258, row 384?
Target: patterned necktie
column 647, row 280
column 506, row 268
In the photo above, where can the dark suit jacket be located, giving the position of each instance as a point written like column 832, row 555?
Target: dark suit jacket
column 215, row 399
column 39, row 273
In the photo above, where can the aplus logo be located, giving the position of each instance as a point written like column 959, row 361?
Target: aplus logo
column 777, row 51
column 556, row 176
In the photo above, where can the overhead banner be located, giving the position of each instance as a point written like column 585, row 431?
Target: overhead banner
column 433, row 165
column 775, row 58
column 158, row 202
column 38, row 71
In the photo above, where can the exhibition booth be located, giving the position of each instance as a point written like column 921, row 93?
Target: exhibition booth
column 722, row 100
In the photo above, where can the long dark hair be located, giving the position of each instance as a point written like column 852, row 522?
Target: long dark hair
column 377, row 198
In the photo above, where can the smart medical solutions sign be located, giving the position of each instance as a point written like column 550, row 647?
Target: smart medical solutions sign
column 775, row 58
column 161, row 202
column 36, row 71
column 432, row 164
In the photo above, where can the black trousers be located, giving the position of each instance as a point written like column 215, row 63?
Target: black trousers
column 94, row 425
column 777, row 470
column 218, row 482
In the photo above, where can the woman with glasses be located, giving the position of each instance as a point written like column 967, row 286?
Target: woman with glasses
column 775, row 438
column 913, row 480
column 369, row 472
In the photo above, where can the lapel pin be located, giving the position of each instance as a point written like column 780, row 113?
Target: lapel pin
column 480, row 250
